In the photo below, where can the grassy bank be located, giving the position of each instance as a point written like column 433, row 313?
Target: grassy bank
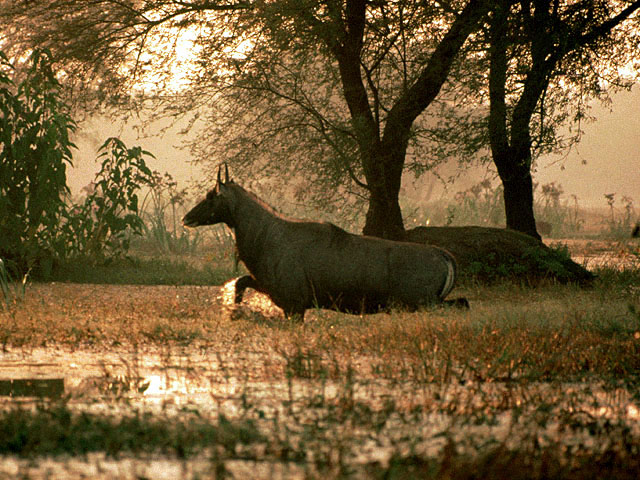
column 511, row 332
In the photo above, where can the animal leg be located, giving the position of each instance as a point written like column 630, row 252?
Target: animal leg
column 244, row 282
column 458, row 303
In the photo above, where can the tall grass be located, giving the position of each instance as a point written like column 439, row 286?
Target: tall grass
column 620, row 220
column 12, row 291
column 558, row 215
column 162, row 210
column 563, row 216
column 482, row 204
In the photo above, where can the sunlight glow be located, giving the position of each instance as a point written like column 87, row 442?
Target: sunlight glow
column 228, row 291
column 176, row 76
column 156, row 385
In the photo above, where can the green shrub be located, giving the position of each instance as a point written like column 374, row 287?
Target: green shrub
column 35, row 150
column 102, row 226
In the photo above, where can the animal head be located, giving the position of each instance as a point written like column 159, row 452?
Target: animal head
column 214, row 208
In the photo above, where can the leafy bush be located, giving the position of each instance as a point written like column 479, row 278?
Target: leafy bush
column 37, row 226
column 102, row 226
column 35, row 150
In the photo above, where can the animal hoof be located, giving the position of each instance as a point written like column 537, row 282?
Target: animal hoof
column 458, row 303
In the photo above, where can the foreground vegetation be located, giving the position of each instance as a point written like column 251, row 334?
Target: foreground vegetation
column 559, row 332
column 541, row 382
column 57, row 431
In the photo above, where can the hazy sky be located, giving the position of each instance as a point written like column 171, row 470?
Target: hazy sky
column 610, row 150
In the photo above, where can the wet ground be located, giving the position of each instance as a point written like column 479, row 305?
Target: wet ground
column 358, row 420
column 594, row 254
column 422, row 420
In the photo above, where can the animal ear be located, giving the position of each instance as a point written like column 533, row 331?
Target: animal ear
column 226, row 173
column 219, row 178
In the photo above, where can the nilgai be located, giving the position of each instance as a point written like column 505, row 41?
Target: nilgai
column 301, row 264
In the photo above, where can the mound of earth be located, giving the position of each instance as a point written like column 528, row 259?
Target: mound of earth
column 488, row 254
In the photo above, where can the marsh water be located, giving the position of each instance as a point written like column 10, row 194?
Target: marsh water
column 422, row 419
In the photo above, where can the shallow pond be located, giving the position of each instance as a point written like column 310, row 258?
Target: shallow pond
column 372, row 420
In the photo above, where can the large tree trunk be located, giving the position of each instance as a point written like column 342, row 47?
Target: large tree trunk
column 514, row 169
column 513, row 161
column 518, row 204
column 383, row 153
column 384, row 177
column 384, row 217
column 377, row 222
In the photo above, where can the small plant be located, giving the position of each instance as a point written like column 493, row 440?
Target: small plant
column 551, row 208
column 482, row 204
column 573, row 222
column 163, row 207
column 619, row 226
column 102, row 226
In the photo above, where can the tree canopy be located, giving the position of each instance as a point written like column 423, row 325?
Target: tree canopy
column 345, row 94
column 568, row 51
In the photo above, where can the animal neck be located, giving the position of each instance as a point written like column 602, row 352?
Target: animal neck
column 251, row 219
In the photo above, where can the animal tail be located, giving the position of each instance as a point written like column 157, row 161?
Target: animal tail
column 451, row 275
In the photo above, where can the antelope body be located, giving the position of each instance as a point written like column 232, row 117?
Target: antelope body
column 301, row 264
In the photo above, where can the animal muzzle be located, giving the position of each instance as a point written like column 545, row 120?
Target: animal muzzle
column 189, row 222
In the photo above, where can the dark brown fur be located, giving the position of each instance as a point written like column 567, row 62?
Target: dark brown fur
column 302, row 265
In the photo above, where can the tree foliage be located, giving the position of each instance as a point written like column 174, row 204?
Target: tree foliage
column 345, row 94
column 35, row 151
column 539, row 47
column 329, row 89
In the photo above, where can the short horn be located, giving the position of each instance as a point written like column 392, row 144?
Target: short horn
column 226, row 173
column 219, row 179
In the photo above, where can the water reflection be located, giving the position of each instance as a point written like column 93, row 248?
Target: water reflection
column 606, row 260
column 209, row 381
column 377, row 416
column 32, row 387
